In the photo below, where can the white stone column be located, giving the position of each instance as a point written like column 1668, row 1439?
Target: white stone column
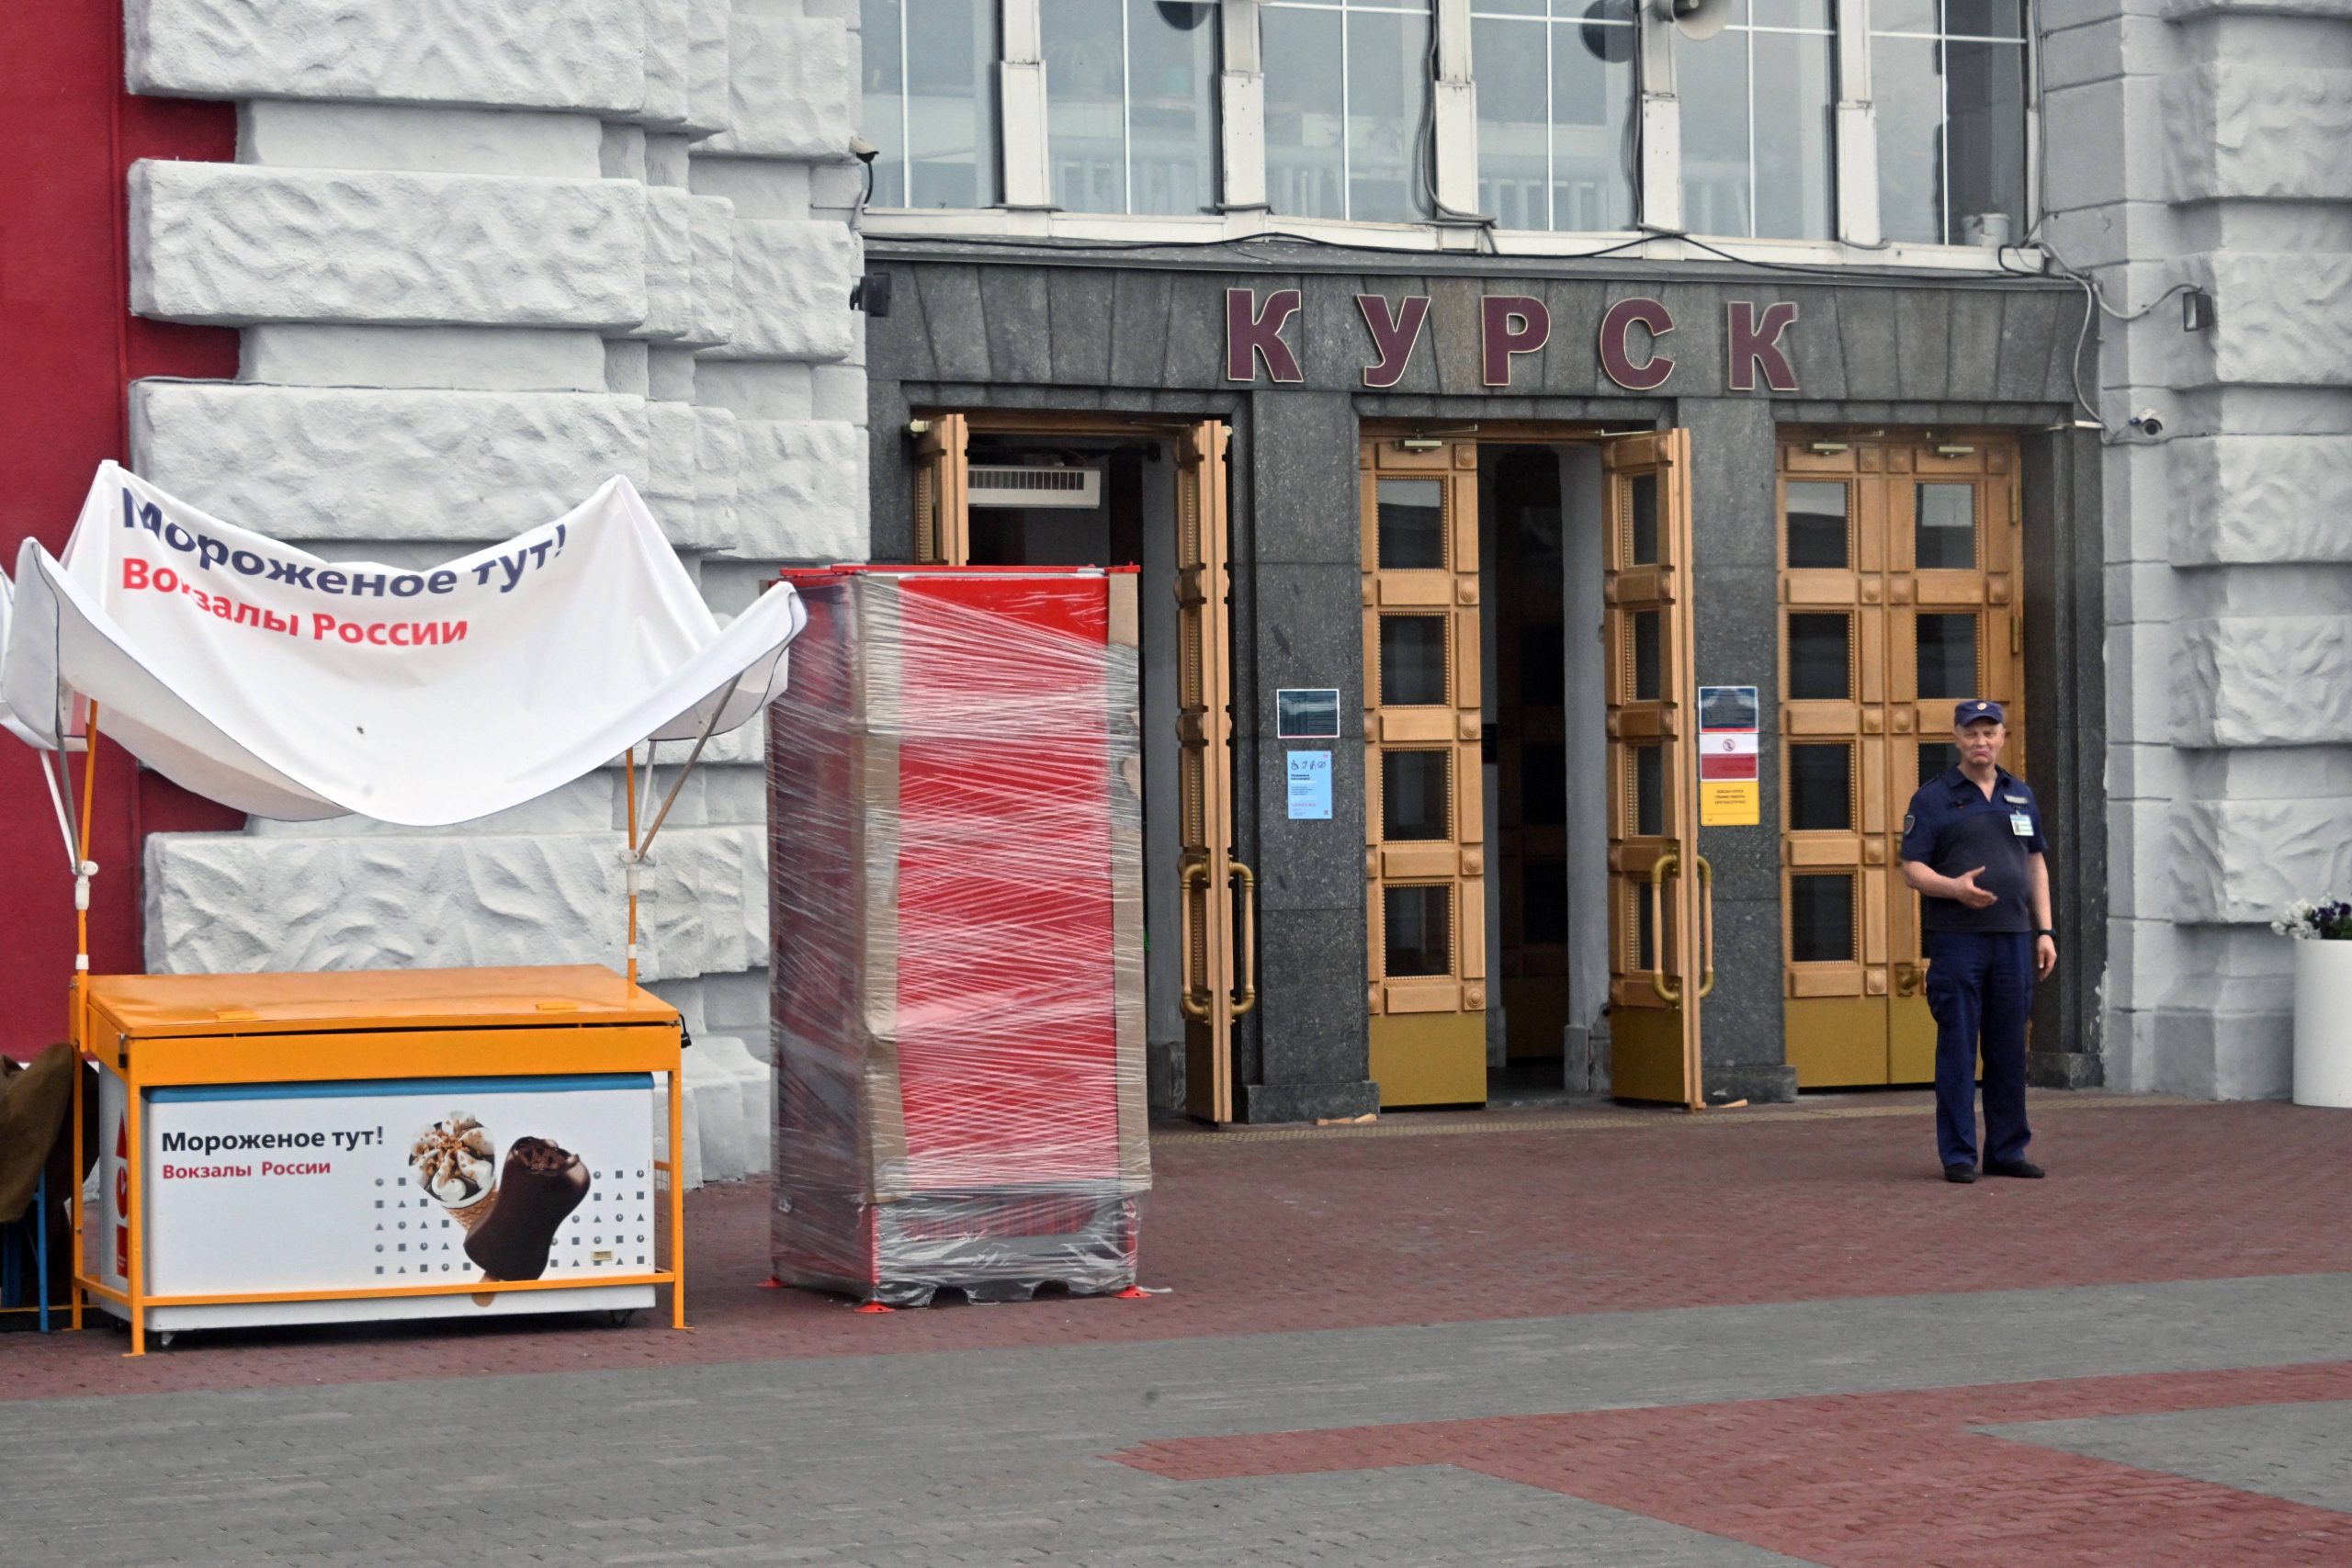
column 2194, row 141
column 483, row 255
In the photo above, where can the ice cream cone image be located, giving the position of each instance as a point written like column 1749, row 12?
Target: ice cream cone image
column 472, row 1216
column 455, row 1164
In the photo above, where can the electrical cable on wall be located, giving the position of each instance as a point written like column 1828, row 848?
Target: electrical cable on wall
column 2094, row 296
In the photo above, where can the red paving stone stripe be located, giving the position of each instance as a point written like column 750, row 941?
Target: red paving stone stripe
column 1860, row 1481
column 1264, row 1237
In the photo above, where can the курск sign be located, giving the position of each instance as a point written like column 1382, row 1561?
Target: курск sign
column 1632, row 347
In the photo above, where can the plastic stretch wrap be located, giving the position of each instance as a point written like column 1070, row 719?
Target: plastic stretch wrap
column 955, row 868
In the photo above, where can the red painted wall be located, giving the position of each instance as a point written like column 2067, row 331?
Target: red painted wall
column 68, row 132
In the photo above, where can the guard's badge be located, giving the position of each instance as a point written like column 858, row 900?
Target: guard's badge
column 1908, row 819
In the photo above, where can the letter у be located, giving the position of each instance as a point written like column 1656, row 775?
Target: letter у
column 1394, row 335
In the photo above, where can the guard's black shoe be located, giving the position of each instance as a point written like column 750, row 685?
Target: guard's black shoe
column 1961, row 1173
column 2023, row 1169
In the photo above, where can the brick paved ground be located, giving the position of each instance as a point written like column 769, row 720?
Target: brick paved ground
column 1564, row 1338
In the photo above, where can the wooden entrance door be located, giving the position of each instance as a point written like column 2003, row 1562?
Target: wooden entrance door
column 1214, row 995
column 1661, row 943
column 1899, row 598
column 1424, row 810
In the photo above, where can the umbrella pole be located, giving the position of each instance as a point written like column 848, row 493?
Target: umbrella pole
column 84, row 869
column 628, row 770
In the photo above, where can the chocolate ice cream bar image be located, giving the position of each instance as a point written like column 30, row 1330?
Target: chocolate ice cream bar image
column 539, row 1187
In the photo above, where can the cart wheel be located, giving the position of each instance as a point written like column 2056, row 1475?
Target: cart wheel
column 620, row 1317
column 165, row 1339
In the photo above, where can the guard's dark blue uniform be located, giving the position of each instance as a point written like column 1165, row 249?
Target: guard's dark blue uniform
column 1980, row 962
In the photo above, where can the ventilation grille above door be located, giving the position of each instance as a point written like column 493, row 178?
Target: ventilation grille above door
column 1007, row 485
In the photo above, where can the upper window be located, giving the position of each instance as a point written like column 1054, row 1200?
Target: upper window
column 1949, row 77
column 1131, row 107
column 1759, row 107
column 930, row 101
column 1558, row 97
column 1346, row 89
column 1130, row 87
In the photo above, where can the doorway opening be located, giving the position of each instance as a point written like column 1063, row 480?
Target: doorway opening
column 1538, row 921
column 1011, row 490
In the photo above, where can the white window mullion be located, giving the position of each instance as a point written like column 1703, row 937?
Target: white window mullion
column 1456, row 123
column 1660, row 175
column 1347, row 126
column 1021, row 84
column 1126, row 114
column 1241, row 103
column 1858, row 214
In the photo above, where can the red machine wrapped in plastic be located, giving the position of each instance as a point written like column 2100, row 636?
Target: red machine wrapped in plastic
column 955, row 830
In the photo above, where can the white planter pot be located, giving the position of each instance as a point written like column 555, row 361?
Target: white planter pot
column 2324, row 1023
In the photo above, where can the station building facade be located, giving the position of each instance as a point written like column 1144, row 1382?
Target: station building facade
column 1454, row 359
column 1466, row 377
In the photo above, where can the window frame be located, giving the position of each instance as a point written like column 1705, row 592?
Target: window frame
column 1025, row 208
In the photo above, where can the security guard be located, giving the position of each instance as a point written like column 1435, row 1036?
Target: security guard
column 1973, row 846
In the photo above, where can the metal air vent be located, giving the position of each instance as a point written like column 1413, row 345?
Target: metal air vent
column 1004, row 484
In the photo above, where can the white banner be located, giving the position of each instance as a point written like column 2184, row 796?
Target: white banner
column 288, row 686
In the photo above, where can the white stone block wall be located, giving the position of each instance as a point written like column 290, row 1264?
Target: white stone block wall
column 2201, row 142
column 483, row 254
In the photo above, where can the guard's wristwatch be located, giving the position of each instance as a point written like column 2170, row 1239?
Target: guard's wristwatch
column 2048, row 933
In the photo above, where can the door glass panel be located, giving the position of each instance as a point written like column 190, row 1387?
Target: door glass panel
column 1644, row 937
column 1649, row 791
column 1542, row 784
column 1816, row 526
column 1416, row 923
column 1641, row 538
column 1821, row 666
column 1821, row 788
column 1821, row 919
column 1946, row 656
column 1412, row 661
column 1414, row 796
column 1945, row 537
column 1412, row 525
column 1937, row 758
column 1646, row 656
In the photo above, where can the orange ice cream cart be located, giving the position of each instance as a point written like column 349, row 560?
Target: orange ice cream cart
column 362, row 1147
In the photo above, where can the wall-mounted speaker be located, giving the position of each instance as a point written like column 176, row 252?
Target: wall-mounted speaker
column 1694, row 18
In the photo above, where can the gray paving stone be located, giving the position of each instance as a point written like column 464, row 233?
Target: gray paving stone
column 999, row 1457
column 2296, row 1453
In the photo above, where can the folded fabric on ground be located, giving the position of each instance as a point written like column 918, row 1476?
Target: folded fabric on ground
column 289, row 686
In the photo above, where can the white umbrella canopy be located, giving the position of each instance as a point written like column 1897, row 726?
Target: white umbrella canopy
column 253, row 672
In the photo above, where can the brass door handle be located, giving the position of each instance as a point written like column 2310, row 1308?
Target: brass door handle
column 1248, row 880
column 1667, row 864
column 1194, row 873
column 1907, row 980
column 1706, row 924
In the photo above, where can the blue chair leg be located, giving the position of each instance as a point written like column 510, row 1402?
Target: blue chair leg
column 40, row 1245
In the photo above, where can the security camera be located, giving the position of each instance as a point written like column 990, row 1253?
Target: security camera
column 862, row 150
column 2146, row 423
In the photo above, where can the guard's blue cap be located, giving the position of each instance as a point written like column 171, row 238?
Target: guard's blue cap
column 1968, row 713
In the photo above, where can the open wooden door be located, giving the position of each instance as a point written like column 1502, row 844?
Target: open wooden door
column 943, row 501
column 1660, row 940
column 1215, row 995
column 1425, row 842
